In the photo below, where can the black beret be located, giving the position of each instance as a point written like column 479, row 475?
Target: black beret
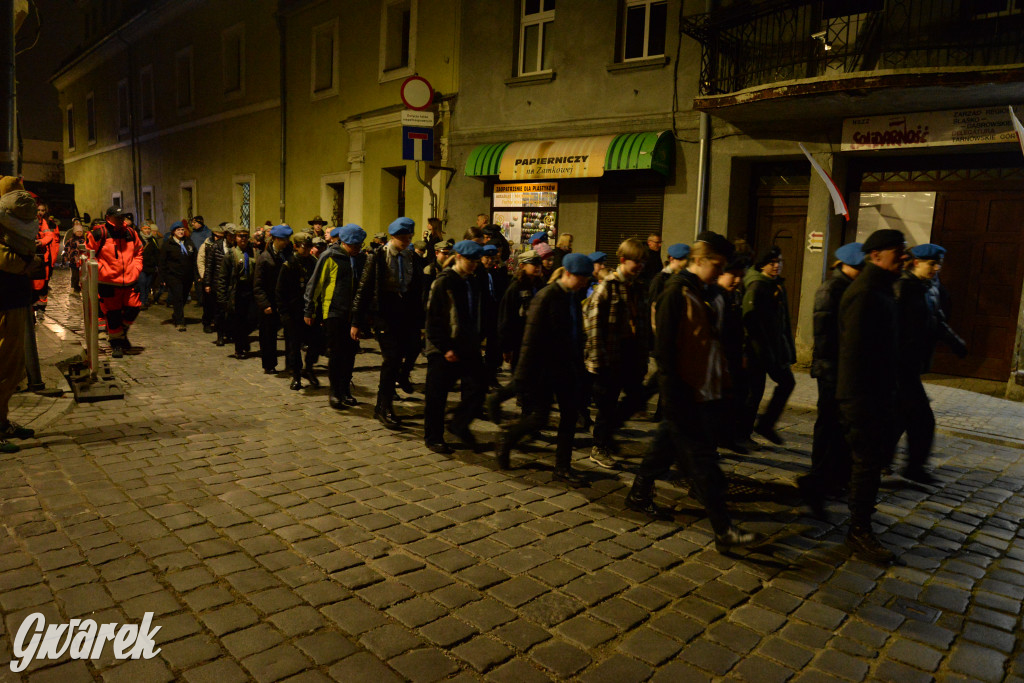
column 738, row 262
column 879, row 240
column 766, row 256
column 719, row 244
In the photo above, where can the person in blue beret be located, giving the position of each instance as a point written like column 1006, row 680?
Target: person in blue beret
column 264, row 287
column 830, row 454
column 492, row 278
column 677, row 255
column 922, row 324
column 389, row 301
column 453, row 334
column 551, row 368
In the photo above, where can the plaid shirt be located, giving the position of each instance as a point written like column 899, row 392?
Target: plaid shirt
column 614, row 316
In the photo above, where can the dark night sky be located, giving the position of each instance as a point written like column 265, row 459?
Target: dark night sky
column 60, row 35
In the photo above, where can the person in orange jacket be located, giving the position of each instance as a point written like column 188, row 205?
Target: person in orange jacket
column 119, row 253
column 48, row 246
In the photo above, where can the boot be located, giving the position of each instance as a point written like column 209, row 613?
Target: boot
column 865, row 545
column 503, row 450
column 641, row 499
column 386, row 416
column 734, row 537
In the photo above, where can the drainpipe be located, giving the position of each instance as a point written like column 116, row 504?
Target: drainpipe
column 703, row 159
column 7, row 149
column 284, row 110
column 133, row 133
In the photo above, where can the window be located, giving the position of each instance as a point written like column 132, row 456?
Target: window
column 71, row 127
column 534, row 44
column 232, row 42
column 187, row 190
column 336, row 192
column 392, row 191
column 147, row 203
column 115, row 200
column 123, row 109
column 183, row 79
column 643, row 29
column 146, row 100
column 90, row 118
column 397, row 39
column 324, row 60
column 242, row 199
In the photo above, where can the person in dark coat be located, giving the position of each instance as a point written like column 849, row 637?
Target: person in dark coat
column 922, row 324
column 329, row 295
column 551, row 367
column 215, row 254
column 770, row 338
column 390, row 299
column 177, row 267
column 830, row 454
column 234, row 292
column 867, row 383
column 150, row 264
column 441, row 260
column 677, row 255
column 727, row 299
column 492, row 279
column 653, row 263
column 493, row 235
column 290, row 295
column 264, row 287
column 454, row 325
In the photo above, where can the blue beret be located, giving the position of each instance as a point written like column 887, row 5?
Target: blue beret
column 679, row 251
column 490, row 249
column 851, row 254
column 402, row 226
column 538, row 237
column 578, row 264
column 349, row 234
column 282, row 230
column 928, row 252
column 597, row 256
column 469, row 249
column 176, row 224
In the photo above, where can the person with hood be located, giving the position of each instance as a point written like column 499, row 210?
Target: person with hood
column 328, row 297
column 234, row 292
column 922, row 325
column 48, row 240
column 178, row 269
column 264, row 289
column 215, row 254
column 693, row 376
column 770, row 342
column 119, row 254
column 830, row 454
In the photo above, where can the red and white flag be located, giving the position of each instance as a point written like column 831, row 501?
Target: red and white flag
column 833, row 189
column 1019, row 128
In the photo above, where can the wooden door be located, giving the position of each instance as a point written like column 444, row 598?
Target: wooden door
column 781, row 219
column 983, row 273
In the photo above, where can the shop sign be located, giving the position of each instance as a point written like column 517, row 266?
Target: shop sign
column 561, row 158
column 521, row 195
column 982, row 126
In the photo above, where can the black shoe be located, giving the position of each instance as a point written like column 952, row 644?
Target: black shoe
column 467, row 438
column 349, row 400
column 240, row 355
column 116, row 351
column 208, row 329
column 734, row 537
column 387, row 417
column 405, row 385
column 770, row 434
column 441, row 447
column 735, row 447
column 13, row 430
column 269, row 371
column 182, row 328
column 335, row 402
column 812, row 497
column 568, row 476
column 866, row 546
column 502, row 451
column 295, row 385
column 919, row 475
column 649, row 508
column 220, row 341
column 311, row 377
column 493, row 405
column 602, row 457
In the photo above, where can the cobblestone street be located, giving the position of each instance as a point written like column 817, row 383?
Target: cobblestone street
column 277, row 539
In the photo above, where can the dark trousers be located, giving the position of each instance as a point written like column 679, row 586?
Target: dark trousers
column 918, row 421
column 870, row 426
column 784, row 385
column 399, row 341
column 341, row 358
column 176, row 292
column 145, row 284
column 209, row 305
column 296, row 333
column 830, row 454
column 686, row 435
column 269, row 324
column 240, row 323
column 441, row 377
column 537, row 410
column 76, row 276
column 612, row 413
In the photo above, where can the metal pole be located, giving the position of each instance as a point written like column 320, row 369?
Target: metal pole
column 35, row 375
column 90, row 270
column 7, row 113
column 700, row 224
column 283, row 77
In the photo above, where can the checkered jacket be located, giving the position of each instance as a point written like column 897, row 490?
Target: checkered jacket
column 614, row 317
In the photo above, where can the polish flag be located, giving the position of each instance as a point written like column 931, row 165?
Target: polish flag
column 1019, row 128
column 833, row 189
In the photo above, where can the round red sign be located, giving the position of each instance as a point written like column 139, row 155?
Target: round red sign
column 417, row 93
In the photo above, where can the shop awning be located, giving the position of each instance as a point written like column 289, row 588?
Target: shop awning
column 587, row 157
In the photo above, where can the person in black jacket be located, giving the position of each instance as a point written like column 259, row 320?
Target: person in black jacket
column 455, row 311
column 551, row 367
column 922, row 324
column 390, row 299
column 868, row 381
column 234, row 292
column 677, row 255
column 772, row 352
column 441, row 260
column 150, row 263
column 729, row 308
column 492, row 278
column 264, row 287
column 178, row 269
column 830, row 454
column 290, row 295
column 215, row 254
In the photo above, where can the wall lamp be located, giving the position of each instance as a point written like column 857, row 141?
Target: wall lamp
column 820, row 35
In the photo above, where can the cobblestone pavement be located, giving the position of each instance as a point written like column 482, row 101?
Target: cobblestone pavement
column 276, row 539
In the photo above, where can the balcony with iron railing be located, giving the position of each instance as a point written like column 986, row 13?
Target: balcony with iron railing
column 831, row 45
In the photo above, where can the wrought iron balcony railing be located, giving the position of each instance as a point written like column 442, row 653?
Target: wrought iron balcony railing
column 750, row 44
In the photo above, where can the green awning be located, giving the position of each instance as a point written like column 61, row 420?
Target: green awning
column 573, row 157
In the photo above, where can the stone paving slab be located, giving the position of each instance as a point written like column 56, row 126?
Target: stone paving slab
column 275, row 539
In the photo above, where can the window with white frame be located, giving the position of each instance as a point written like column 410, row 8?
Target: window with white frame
column 242, row 199
column 643, row 29
column 90, row 118
column 187, row 194
column 397, row 38
column 183, row 79
column 70, row 116
column 324, row 60
column 535, row 20
column 232, row 41
column 147, row 101
column 115, row 200
column 148, row 209
column 123, row 109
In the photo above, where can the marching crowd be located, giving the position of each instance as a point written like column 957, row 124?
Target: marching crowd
column 578, row 332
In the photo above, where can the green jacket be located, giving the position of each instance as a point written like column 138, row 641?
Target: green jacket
column 766, row 320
